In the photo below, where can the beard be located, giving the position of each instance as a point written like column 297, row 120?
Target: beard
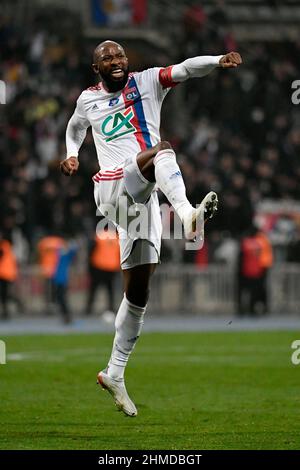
column 113, row 84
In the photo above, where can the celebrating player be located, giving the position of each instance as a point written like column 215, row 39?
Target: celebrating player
column 124, row 112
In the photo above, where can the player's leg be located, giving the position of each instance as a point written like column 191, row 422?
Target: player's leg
column 130, row 317
column 137, row 283
column 138, row 260
column 129, row 323
column 163, row 167
column 159, row 164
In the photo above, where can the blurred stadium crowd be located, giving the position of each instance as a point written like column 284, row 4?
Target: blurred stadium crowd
column 240, row 136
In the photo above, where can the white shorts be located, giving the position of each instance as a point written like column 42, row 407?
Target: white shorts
column 128, row 200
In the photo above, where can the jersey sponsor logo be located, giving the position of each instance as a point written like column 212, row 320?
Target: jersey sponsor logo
column 95, row 107
column 118, row 124
column 113, row 101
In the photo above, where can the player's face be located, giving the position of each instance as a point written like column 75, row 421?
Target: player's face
column 112, row 65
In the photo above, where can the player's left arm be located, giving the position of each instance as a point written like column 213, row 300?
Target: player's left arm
column 75, row 135
column 197, row 67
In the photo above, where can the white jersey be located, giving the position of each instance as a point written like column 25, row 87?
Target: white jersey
column 125, row 122
column 128, row 121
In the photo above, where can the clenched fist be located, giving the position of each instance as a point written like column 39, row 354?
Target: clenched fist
column 232, row 59
column 69, row 166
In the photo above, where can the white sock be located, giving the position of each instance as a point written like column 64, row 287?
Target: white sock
column 170, row 182
column 129, row 322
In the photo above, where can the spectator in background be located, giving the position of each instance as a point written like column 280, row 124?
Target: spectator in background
column 266, row 261
column 104, row 263
column 254, row 262
column 48, row 251
column 66, row 255
column 8, row 275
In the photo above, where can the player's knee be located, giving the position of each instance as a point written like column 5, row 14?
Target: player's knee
column 163, row 150
column 138, row 296
column 163, row 145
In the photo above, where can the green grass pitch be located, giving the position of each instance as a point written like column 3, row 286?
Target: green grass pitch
column 235, row 390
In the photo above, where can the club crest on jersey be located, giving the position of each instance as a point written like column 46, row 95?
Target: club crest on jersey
column 118, row 124
column 131, row 93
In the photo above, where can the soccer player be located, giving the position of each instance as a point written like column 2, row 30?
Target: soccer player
column 124, row 112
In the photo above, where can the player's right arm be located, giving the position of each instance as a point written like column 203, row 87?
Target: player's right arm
column 75, row 135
